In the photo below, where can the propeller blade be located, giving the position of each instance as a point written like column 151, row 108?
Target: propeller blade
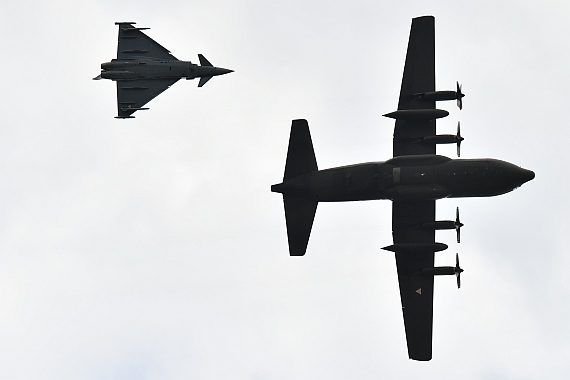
column 458, row 225
column 458, row 139
column 458, row 270
column 459, row 96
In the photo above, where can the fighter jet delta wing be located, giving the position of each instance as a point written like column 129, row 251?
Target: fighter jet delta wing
column 132, row 95
column 133, row 43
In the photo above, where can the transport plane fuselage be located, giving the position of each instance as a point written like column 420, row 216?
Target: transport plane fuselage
column 412, row 178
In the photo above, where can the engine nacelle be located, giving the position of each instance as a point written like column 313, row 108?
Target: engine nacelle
column 437, row 95
column 416, row 247
column 439, row 271
column 417, row 114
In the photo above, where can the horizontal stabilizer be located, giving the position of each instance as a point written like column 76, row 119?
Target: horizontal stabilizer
column 203, row 81
column 124, row 109
column 98, row 77
column 204, row 61
column 299, row 216
column 300, row 155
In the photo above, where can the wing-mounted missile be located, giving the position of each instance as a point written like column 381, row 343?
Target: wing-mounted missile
column 417, row 114
column 444, row 139
column 128, row 26
column 119, row 75
column 446, row 225
column 126, row 106
column 446, row 271
column 442, row 95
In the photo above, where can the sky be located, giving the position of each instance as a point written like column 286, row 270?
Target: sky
column 152, row 248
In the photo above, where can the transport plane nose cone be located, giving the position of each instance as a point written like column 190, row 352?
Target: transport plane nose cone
column 527, row 175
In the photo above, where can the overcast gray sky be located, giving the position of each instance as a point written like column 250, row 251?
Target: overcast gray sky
column 152, row 248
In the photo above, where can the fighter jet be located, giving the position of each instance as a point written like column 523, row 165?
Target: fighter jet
column 143, row 69
column 413, row 179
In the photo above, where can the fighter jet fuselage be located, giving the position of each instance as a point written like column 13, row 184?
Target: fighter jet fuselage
column 412, row 178
column 144, row 68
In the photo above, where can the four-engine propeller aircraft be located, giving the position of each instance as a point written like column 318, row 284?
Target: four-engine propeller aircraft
column 144, row 69
column 413, row 179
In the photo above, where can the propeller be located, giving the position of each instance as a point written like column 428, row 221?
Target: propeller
column 458, row 224
column 458, row 139
column 458, row 270
column 460, row 96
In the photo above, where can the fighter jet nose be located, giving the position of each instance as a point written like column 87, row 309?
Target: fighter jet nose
column 222, row 71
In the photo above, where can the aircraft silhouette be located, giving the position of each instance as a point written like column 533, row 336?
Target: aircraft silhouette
column 143, row 69
column 413, row 180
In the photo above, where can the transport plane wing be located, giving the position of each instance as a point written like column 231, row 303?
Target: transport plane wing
column 416, row 290
column 419, row 77
column 413, row 221
column 414, row 248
